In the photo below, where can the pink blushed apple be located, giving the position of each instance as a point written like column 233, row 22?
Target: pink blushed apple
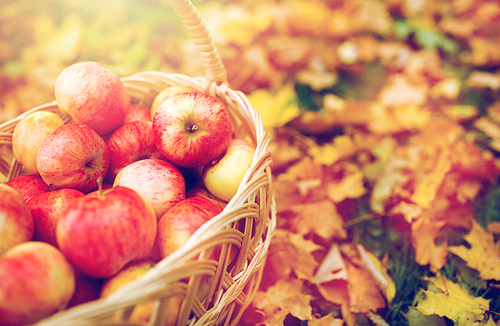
column 192, row 129
column 137, row 113
column 167, row 93
column 92, row 95
column 36, row 280
column 28, row 185
column 159, row 182
column 16, row 222
column 131, row 142
column 73, row 156
column 46, row 209
column 104, row 230
column 181, row 221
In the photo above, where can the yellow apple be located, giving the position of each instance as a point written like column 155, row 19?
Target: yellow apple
column 223, row 177
column 166, row 93
column 29, row 133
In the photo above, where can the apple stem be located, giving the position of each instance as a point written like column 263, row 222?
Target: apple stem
column 99, row 185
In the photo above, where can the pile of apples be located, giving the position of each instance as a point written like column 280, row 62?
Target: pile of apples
column 110, row 193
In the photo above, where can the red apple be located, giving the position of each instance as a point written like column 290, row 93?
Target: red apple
column 92, row 95
column 46, row 209
column 192, row 129
column 104, row 230
column 86, row 289
column 200, row 191
column 73, row 156
column 137, row 113
column 131, row 142
column 36, row 280
column 28, row 185
column 159, row 182
column 181, row 221
column 16, row 223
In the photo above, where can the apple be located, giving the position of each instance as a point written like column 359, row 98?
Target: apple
column 131, row 142
column 73, row 156
column 46, row 209
column 104, row 230
column 142, row 312
column 86, row 289
column 92, row 95
column 181, row 221
column 167, row 93
column 36, row 280
column 29, row 132
column 137, row 113
column 159, row 182
column 16, row 222
column 28, row 185
column 192, row 129
column 223, row 177
column 201, row 191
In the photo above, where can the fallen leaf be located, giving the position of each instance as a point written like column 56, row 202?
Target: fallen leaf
column 327, row 320
column 332, row 267
column 280, row 264
column 450, row 300
column 483, row 254
column 284, row 298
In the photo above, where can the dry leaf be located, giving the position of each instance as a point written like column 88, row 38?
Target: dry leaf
column 284, row 298
column 332, row 267
column 483, row 254
column 450, row 300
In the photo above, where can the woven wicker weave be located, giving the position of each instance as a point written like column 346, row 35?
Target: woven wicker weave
column 247, row 222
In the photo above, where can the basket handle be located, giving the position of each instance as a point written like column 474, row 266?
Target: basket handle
column 215, row 70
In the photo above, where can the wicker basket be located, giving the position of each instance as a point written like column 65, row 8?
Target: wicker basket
column 247, row 222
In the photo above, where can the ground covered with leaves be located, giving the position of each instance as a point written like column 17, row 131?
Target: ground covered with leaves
column 384, row 117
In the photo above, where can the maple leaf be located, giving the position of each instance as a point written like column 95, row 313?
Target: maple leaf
column 321, row 218
column 286, row 245
column 448, row 299
column 284, row 298
column 327, row 320
column 277, row 109
column 350, row 185
column 427, row 252
column 483, row 254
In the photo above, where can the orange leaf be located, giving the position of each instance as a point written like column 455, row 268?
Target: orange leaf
column 424, row 234
column 284, row 298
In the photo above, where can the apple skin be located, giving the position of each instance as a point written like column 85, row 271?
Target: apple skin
column 142, row 312
column 159, row 182
column 73, row 156
column 223, row 177
column 201, row 191
column 29, row 133
column 181, row 221
column 167, row 93
column 92, row 95
column 86, row 289
column 103, row 231
column 28, row 185
column 137, row 113
column 192, row 129
column 36, row 280
column 16, row 222
column 131, row 142
column 46, row 209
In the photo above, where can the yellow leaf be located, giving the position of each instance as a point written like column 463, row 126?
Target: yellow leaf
column 450, row 300
column 426, row 188
column 284, row 298
column 277, row 109
column 327, row 320
column 483, row 255
column 341, row 147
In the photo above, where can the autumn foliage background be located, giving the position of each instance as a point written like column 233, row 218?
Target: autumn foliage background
column 384, row 117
